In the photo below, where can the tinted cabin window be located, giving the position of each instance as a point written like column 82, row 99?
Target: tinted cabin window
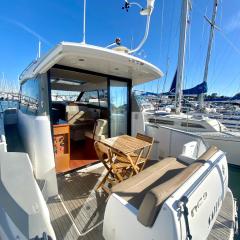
column 30, row 94
column 119, row 107
column 95, row 98
column 152, row 120
column 161, row 121
column 192, row 125
column 103, row 98
column 90, row 98
column 165, row 122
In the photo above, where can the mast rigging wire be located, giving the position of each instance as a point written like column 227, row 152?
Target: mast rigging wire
column 173, row 10
column 161, row 31
column 226, row 52
column 224, row 35
column 237, row 50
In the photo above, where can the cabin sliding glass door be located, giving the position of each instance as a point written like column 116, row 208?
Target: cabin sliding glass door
column 119, row 107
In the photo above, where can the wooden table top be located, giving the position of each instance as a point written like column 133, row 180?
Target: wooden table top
column 125, row 144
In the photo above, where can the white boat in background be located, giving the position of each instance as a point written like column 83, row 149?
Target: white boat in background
column 212, row 130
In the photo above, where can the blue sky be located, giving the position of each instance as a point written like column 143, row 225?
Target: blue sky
column 23, row 22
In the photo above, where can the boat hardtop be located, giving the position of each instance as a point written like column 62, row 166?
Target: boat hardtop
column 94, row 59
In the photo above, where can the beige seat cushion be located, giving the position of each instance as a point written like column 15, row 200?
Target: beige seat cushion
column 149, row 189
column 134, row 189
column 154, row 199
column 72, row 118
column 100, row 131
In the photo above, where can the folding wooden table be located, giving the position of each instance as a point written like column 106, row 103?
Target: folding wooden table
column 127, row 146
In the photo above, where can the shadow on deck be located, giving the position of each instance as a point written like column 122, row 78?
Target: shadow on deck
column 79, row 210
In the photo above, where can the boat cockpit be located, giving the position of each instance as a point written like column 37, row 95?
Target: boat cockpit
column 85, row 93
column 88, row 107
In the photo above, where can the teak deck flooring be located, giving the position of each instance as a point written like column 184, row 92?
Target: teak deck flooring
column 223, row 227
column 79, row 210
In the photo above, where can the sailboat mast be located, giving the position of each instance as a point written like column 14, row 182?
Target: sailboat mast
column 39, row 48
column 181, row 54
column 84, row 21
column 211, row 36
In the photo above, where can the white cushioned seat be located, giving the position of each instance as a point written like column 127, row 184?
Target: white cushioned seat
column 100, row 130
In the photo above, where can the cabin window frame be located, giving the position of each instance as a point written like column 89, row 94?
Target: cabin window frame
column 108, row 78
column 192, row 125
column 129, row 102
column 38, row 99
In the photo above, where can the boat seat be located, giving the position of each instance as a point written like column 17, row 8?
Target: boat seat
column 148, row 190
column 100, row 130
column 80, row 119
column 134, row 189
column 73, row 112
column 77, row 130
column 72, row 118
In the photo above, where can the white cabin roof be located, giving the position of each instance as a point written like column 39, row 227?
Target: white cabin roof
column 94, row 59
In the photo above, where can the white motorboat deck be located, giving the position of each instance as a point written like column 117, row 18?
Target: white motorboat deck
column 78, row 211
column 224, row 225
column 224, row 134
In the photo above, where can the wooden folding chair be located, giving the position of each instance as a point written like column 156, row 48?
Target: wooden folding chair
column 115, row 168
column 142, row 157
column 105, row 156
column 121, row 166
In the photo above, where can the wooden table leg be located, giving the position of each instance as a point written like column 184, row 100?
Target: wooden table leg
column 135, row 168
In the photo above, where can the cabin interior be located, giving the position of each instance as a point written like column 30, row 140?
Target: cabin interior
column 85, row 107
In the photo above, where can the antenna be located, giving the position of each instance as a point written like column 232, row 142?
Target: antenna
column 39, row 48
column 117, row 42
column 84, row 21
column 144, row 12
column 18, row 83
column 1, row 84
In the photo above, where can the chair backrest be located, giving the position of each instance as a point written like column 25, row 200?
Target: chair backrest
column 101, row 128
column 146, row 139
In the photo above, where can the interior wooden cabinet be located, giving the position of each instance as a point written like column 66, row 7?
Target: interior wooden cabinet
column 61, row 141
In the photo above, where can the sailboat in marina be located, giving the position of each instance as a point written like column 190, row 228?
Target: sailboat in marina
column 51, row 176
column 211, row 129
